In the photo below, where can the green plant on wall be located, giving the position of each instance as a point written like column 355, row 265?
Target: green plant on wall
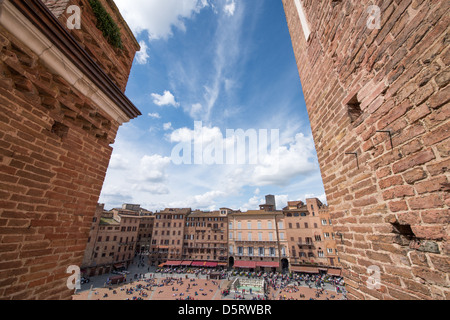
column 106, row 24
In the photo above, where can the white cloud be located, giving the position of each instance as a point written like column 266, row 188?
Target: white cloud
column 296, row 159
column 252, row 203
column 206, row 200
column 228, row 50
column 119, row 162
column 205, row 134
column 281, row 201
column 167, row 126
column 152, row 181
column 230, row 7
column 115, row 195
column 275, row 164
column 167, row 99
column 196, row 111
column 322, row 197
column 142, row 55
column 154, row 188
column 152, row 168
column 182, row 135
column 292, row 160
column 159, row 17
column 154, row 115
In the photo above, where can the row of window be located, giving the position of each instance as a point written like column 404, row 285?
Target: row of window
column 306, row 225
column 167, row 232
column 108, row 238
column 320, row 253
column 175, row 217
column 260, row 251
column 204, row 250
column 128, row 229
column 259, row 225
column 112, row 252
column 169, row 216
column 260, row 236
column 204, row 219
column 204, row 245
column 296, row 214
column 125, row 248
column 208, row 237
column 168, row 225
column 165, row 242
column 216, row 226
column 280, row 224
column 110, row 228
column 316, row 237
column 193, row 237
column 203, row 224
column 122, row 229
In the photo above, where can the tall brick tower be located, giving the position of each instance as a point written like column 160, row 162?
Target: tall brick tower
column 64, row 66
column 375, row 76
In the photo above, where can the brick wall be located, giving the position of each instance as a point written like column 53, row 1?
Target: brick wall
column 115, row 62
column 389, row 202
column 54, row 153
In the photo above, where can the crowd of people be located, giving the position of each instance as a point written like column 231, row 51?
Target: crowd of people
column 197, row 271
column 194, row 283
column 302, row 287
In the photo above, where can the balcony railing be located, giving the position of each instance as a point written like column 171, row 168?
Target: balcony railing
column 306, row 244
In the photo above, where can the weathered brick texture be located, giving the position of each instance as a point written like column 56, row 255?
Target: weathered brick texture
column 54, row 153
column 391, row 201
column 115, row 62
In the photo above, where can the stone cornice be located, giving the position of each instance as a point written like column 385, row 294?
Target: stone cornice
column 33, row 24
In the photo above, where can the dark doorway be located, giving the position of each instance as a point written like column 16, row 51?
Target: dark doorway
column 284, row 264
column 231, row 262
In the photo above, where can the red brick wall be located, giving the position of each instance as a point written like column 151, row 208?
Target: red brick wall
column 392, row 211
column 115, row 62
column 54, row 153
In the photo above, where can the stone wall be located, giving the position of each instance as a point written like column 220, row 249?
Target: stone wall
column 378, row 103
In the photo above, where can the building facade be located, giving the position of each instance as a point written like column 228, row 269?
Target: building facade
column 168, row 235
column 61, row 104
column 144, row 238
column 257, row 239
column 376, row 84
column 310, row 234
column 299, row 238
column 115, row 239
column 205, row 237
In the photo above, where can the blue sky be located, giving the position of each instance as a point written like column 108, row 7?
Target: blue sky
column 228, row 64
